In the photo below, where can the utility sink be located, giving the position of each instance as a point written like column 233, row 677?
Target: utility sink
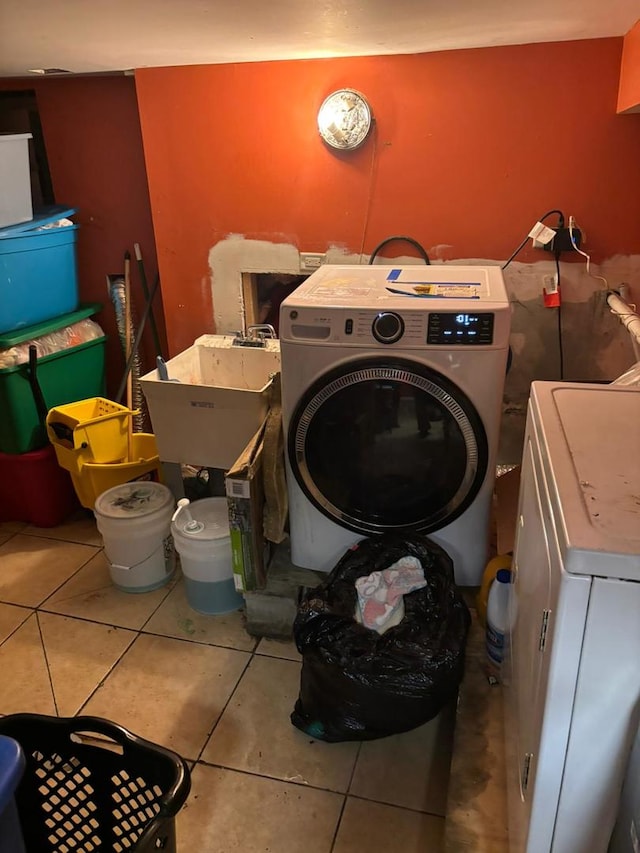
column 215, row 399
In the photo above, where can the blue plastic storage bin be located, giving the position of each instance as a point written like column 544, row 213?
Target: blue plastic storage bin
column 12, row 764
column 38, row 270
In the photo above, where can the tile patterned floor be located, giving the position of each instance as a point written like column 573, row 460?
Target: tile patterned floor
column 71, row 643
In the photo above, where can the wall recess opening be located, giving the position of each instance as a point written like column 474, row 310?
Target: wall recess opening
column 263, row 293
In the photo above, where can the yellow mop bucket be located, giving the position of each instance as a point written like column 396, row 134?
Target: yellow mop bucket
column 93, row 478
column 91, row 441
column 93, row 430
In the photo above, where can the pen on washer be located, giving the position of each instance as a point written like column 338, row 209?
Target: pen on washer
column 406, row 293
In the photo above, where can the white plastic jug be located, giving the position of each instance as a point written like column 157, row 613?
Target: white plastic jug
column 135, row 522
column 498, row 620
column 201, row 533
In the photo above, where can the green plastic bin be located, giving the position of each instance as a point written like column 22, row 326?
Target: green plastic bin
column 64, row 377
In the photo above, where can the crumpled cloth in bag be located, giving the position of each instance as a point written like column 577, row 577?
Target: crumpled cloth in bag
column 381, row 594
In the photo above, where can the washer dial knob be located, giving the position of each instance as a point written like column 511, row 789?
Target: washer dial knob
column 388, row 327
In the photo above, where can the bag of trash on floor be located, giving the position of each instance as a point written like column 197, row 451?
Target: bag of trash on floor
column 359, row 682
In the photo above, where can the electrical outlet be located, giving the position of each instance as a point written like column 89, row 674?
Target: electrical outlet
column 561, row 241
column 310, row 261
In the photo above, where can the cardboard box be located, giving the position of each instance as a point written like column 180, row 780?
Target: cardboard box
column 245, row 496
column 257, row 497
column 220, row 399
column 507, row 489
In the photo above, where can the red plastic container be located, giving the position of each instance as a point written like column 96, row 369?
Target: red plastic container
column 33, row 488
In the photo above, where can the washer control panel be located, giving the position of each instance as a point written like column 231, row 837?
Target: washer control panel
column 463, row 328
column 409, row 328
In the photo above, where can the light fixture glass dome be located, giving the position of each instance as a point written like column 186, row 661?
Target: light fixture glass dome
column 344, row 119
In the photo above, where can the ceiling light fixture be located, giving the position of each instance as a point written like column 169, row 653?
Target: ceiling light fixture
column 344, row 119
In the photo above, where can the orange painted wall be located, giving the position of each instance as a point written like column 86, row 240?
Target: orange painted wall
column 469, row 148
column 92, row 135
column 629, row 92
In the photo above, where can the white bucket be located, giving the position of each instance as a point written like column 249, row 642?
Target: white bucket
column 201, row 534
column 135, row 522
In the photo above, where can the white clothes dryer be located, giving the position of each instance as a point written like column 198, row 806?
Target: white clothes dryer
column 572, row 668
column 392, row 382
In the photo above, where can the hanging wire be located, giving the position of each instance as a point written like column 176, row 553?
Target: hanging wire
column 572, row 226
column 414, row 243
column 372, row 171
column 541, row 219
column 556, row 256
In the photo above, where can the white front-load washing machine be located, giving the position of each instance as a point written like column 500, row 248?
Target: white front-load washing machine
column 392, row 382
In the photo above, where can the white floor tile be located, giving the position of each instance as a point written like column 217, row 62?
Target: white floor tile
column 230, row 812
column 168, row 691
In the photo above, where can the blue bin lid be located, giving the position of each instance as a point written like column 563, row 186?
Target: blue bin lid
column 12, row 765
column 44, row 216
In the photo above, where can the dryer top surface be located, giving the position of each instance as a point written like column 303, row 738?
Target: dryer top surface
column 427, row 287
column 589, row 437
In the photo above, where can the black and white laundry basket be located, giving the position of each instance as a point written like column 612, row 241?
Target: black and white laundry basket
column 91, row 785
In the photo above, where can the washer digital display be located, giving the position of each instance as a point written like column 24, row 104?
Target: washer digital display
column 460, row 328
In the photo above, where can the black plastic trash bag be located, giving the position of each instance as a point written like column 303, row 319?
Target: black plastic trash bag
column 357, row 684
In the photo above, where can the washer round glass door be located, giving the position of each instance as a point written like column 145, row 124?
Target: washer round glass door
column 387, row 445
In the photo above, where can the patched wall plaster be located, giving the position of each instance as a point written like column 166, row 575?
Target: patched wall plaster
column 596, row 347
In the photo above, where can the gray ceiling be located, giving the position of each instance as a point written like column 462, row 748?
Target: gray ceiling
column 108, row 35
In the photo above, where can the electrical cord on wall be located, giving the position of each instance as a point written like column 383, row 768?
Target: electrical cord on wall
column 572, row 225
column 524, row 242
column 372, row 180
column 414, row 243
column 556, row 256
column 514, row 254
